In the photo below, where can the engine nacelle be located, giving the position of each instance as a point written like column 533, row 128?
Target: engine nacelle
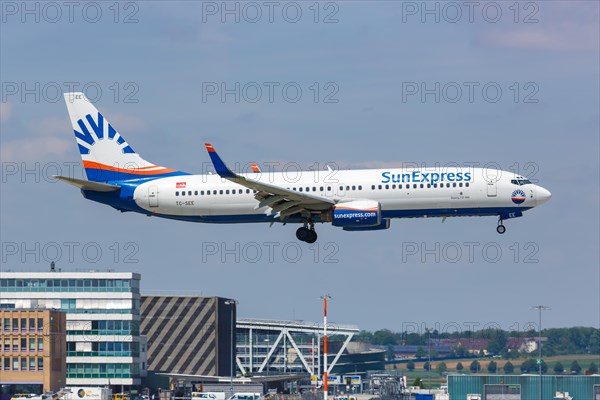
column 359, row 213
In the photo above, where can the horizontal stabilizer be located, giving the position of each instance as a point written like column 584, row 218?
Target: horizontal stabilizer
column 89, row 185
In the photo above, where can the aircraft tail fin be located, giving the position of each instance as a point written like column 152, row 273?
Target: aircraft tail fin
column 105, row 154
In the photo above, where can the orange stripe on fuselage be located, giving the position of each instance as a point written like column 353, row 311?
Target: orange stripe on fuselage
column 138, row 171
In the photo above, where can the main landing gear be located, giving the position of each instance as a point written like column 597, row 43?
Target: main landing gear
column 307, row 232
column 500, row 228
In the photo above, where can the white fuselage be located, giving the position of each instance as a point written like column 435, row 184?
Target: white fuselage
column 419, row 192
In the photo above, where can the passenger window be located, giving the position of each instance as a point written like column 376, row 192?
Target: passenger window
column 353, row 187
column 227, row 192
column 447, row 185
column 176, row 193
column 314, row 188
column 467, row 184
column 183, row 193
column 220, row 191
column 241, row 191
column 359, row 187
column 414, row 185
column 428, row 185
column 379, row 187
column 454, row 184
column 341, row 188
column 214, row 192
column 393, row 186
column 435, row 185
column 347, row 187
column 196, row 193
column 321, row 188
column 189, row 192
column 247, row 190
column 307, row 189
column 372, row 187
column 387, row 186
column 299, row 189
column 329, row 188
column 460, row 184
column 421, row 186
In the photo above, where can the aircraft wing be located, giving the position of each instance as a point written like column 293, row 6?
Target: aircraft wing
column 88, row 185
column 282, row 201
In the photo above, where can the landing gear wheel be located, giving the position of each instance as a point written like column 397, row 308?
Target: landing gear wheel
column 312, row 237
column 303, row 234
column 501, row 229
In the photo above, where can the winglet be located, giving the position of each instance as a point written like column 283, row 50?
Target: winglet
column 219, row 165
column 255, row 168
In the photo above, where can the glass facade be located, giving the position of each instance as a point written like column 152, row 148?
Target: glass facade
column 68, row 285
column 103, row 311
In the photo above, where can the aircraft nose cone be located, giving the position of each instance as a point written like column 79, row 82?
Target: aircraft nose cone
column 543, row 195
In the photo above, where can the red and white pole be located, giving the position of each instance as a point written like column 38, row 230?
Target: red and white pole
column 325, row 379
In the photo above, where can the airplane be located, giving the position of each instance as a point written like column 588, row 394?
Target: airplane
column 354, row 200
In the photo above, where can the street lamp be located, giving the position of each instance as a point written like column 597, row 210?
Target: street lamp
column 232, row 303
column 540, row 308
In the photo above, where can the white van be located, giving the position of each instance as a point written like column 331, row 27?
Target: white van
column 208, row 395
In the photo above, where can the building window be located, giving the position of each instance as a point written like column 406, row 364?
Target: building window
column 23, row 363
column 40, row 364
column 15, row 364
column 40, row 344
column 6, row 363
column 31, row 344
column 15, row 324
column 6, row 324
column 6, row 344
column 23, row 344
column 40, row 324
column 15, row 345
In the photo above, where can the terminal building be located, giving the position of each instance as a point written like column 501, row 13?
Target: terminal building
column 32, row 351
column 103, row 342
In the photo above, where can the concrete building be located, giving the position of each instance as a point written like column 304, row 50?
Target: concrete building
column 189, row 334
column 32, row 350
column 102, row 316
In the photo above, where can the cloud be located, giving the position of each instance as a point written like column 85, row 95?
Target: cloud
column 560, row 26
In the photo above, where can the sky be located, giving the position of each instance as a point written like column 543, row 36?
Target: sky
column 353, row 84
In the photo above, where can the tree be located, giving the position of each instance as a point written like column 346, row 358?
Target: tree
column 420, row 352
column 384, row 337
column 475, row 366
column 498, row 342
column 441, row 368
column 390, row 354
column 459, row 366
column 529, row 366
column 575, row 368
column 410, row 365
column 427, row 366
column 418, row 383
column 593, row 368
column 492, row 367
column 558, row 368
column 508, row 368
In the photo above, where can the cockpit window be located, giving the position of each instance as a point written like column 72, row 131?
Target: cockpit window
column 520, row 182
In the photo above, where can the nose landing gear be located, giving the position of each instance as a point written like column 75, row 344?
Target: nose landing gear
column 307, row 233
column 500, row 228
